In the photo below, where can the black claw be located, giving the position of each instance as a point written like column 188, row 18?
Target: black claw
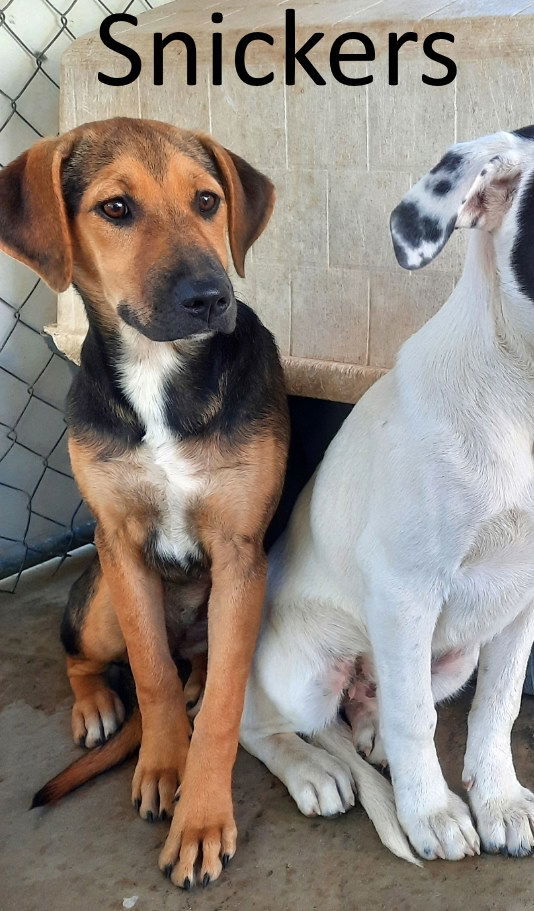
column 137, row 803
column 504, row 851
column 186, row 884
column 225, row 860
column 189, row 705
column 163, row 815
column 206, row 880
column 81, row 741
column 167, row 870
column 149, row 816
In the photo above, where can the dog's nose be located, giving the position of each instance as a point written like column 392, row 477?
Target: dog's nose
column 205, row 300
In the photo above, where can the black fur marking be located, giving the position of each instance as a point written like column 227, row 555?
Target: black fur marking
column 442, row 187
column 229, row 384
column 40, row 799
column 413, row 227
column 97, row 409
column 451, row 162
column 75, row 179
column 241, row 369
column 522, row 258
column 525, row 132
column 76, row 609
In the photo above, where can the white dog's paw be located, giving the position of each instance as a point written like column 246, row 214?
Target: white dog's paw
column 505, row 825
column 320, row 785
column 377, row 756
column 368, row 743
column 448, row 833
column 365, row 734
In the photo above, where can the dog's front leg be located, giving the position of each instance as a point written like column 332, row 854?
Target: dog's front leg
column 401, row 627
column 203, row 824
column 503, row 809
column 137, row 597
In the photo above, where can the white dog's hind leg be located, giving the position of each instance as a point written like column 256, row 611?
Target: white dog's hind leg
column 374, row 792
column 320, row 784
column 285, row 695
column 503, row 809
column 451, row 671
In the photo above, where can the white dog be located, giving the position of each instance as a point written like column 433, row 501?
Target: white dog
column 410, row 555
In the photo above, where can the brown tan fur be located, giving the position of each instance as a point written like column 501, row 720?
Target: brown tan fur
column 162, row 168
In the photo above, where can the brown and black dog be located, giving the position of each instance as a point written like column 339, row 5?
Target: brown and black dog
column 177, row 437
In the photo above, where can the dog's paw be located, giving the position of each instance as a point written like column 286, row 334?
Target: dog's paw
column 201, row 842
column 154, row 792
column 368, row 743
column 362, row 715
column 505, row 825
column 320, row 784
column 364, row 736
column 158, row 773
column 448, row 833
column 95, row 718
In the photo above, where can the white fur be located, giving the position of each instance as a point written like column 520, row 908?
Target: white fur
column 414, row 539
column 145, row 367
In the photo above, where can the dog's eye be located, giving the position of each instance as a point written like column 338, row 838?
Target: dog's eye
column 207, row 202
column 115, row 208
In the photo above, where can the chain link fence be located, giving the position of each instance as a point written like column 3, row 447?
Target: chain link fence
column 41, row 511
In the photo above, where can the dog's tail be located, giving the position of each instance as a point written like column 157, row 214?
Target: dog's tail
column 376, row 796
column 99, row 760
column 374, row 791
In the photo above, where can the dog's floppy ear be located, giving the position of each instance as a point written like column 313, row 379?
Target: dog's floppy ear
column 33, row 221
column 250, row 198
column 472, row 186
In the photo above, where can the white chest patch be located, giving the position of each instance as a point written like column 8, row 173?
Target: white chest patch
column 175, row 480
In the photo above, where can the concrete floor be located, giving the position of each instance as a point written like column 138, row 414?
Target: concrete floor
column 92, row 852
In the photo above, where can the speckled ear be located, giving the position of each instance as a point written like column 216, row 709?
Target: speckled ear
column 471, row 186
column 33, row 221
